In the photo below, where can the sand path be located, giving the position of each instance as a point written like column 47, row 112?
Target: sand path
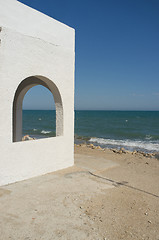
column 104, row 196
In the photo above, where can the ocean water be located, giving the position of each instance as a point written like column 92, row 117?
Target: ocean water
column 39, row 123
column 133, row 130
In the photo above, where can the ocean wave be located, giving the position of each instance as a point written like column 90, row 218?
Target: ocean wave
column 148, row 137
column 149, row 146
column 45, row 132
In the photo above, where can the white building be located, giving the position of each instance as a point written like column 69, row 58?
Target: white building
column 34, row 49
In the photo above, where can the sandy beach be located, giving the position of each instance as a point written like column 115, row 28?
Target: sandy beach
column 106, row 195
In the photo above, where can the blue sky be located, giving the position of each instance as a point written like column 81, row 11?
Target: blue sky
column 117, row 53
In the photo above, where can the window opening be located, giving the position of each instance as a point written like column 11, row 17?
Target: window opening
column 39, row 114
column 55, row 117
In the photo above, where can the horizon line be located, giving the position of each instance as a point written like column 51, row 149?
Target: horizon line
column 148, row 110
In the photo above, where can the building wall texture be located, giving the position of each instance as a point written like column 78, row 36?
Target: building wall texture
column 34, row 45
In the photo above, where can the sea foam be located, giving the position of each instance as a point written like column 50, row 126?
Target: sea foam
column 129, row 144
column 45, row 132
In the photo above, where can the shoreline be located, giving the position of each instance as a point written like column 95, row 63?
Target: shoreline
column 127, row 144
column 120, row 150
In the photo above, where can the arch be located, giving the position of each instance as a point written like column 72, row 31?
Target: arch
column 23, row 87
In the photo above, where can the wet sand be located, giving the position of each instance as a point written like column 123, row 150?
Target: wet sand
column 106, row 195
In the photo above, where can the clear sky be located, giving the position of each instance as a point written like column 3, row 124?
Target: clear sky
column 117, row 53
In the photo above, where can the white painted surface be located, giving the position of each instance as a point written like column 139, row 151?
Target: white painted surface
column 34, row 44
column 30, row 22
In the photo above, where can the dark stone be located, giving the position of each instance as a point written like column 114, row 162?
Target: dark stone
column 157, row 156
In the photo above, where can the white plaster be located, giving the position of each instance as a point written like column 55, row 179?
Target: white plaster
column 34, row 45
column 30, row 22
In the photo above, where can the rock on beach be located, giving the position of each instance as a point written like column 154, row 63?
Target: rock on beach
column 121, row 151
column 27, row 137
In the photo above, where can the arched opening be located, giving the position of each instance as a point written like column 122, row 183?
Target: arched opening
column 22, row 89
column 39, row 114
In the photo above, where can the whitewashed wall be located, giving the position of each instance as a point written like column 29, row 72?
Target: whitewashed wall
column 32, row 44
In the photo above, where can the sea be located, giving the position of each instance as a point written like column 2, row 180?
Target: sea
column 132, row 130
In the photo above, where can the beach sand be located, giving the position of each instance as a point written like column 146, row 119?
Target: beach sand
column 106, row 195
